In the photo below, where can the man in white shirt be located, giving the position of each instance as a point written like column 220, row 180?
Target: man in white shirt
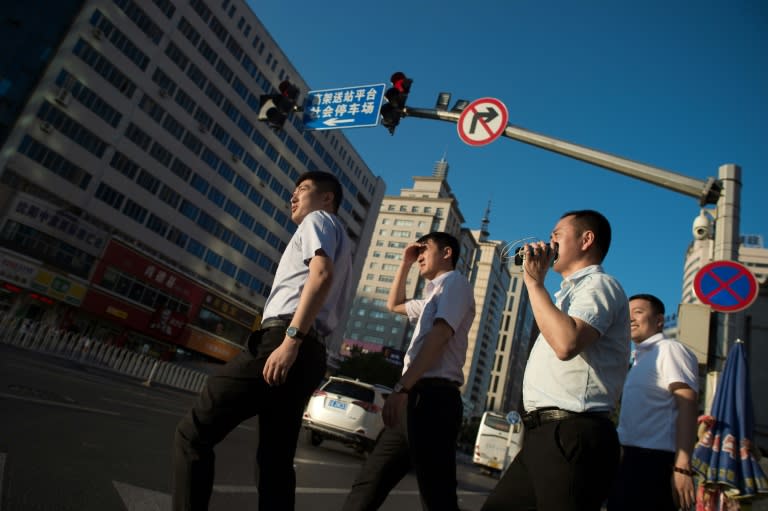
column 573, row 377
column 657, row 427
column 285, row 361
column 427, row 397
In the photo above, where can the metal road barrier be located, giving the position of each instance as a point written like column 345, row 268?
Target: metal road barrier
column 36, row 336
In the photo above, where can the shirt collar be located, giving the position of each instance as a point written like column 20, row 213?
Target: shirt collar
column 432, row 284
column 571, row 280
column 649, row 343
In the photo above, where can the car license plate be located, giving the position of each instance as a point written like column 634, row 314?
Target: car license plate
column 339, row 405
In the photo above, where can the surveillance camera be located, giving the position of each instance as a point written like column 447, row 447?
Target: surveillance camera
column 701, row 227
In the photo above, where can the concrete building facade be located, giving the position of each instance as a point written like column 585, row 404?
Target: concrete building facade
column 136, row 182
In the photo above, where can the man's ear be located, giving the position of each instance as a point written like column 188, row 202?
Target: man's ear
column 328, row 199
column 587, row 240
column 447, row 253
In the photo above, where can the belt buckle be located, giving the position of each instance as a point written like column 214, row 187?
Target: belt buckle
column 531, row 419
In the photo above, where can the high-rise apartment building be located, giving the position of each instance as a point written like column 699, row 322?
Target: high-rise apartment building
column 139, row 195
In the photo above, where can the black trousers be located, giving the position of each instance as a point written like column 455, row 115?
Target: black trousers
column 236, row 393
column 566, row 465
column 433, row 421
column 644, row 481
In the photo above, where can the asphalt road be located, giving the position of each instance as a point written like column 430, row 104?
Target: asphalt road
column 81, row 439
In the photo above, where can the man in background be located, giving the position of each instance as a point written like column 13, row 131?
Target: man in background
column 657, row 426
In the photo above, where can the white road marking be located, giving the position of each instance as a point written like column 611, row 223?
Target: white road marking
column 233, row 488
column 137, row 498
column 178, row 414
column 306, row 461
column 61, row 405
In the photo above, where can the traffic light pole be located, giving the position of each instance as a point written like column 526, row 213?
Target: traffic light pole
column 706, row 191
column 724, row 191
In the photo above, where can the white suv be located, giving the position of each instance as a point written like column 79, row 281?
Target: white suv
column 346, row 410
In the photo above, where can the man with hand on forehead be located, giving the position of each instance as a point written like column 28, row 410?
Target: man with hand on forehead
column 285, row 360
column 573, row 377
column 422, row 416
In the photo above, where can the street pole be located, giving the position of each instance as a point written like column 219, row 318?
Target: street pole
column 707, row 191
column 730, row 326
column 725, row 192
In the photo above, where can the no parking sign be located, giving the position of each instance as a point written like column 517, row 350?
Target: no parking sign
column 726, row 286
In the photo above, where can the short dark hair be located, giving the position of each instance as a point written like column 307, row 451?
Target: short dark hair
column 326, row 182
column 442, row 240
column 591, row 220
column 657, row 306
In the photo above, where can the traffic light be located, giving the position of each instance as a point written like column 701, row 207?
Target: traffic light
column 394, row 109
column 275, row 108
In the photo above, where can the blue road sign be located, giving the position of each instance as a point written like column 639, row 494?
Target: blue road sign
column 346, row 107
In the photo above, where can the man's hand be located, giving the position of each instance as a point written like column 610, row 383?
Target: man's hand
column 411, row 253
column 280, row 361
column 683, row 491
column 393, row 408
column 538, row 257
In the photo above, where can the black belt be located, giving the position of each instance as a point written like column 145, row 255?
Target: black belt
column 271, row 323
column 536, row 418
column 437, row 382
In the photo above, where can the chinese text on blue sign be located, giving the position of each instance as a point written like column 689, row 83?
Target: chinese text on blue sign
column 346, row 107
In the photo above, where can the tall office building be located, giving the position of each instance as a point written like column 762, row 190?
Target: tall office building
column 516, row 335
column 490, row 280
column 428, row 206
column 139, row 196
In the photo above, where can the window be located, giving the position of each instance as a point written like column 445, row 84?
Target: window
column 109, row 195
column 157, row 224
column 169, row 196
column 185, row 101
column 177, row 56
column 195, row 248
column 54, row 162
column 197, row 76
column 124, row 165
column 135, row 212
column 148, row 181
column 189, row 31
column 199, row 183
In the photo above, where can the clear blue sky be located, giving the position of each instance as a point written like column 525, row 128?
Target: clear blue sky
column 681, row 85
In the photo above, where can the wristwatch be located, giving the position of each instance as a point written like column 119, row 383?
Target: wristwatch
column 400, row 388
column 294, row 333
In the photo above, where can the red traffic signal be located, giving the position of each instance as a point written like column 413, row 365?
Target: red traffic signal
column 394, row 109
column 275, row 108
column 401, row 82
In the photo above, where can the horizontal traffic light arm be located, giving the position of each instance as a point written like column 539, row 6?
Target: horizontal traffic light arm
column 707, row 191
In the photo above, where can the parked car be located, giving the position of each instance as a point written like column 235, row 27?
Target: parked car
column 346, row 410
